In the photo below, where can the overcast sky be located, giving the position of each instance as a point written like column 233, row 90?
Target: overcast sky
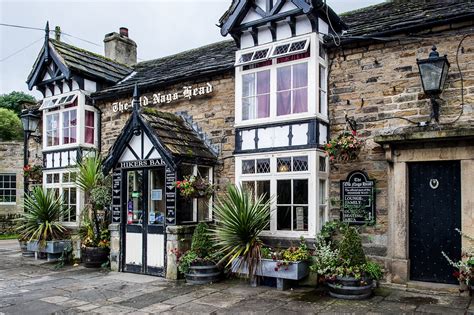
column 159, row 27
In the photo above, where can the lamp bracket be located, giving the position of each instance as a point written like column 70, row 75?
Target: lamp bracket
column 434, row 109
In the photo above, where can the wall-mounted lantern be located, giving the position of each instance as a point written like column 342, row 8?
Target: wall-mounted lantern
column 433, row 73
column 30, row 121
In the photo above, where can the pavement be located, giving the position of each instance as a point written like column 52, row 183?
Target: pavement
column 28, row 286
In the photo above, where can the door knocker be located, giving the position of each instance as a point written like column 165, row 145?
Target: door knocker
column 434, row 183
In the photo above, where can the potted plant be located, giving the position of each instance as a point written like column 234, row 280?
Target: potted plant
column 240, row 218
column 199, row 264
column 195, row 187
column 351, row 276
column 40, row 223
column 464, row 267
column 291, row 263
column 95, row 237
column 344, row 148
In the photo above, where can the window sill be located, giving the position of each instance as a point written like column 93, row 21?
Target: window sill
column 7, row 203
column 279, row 119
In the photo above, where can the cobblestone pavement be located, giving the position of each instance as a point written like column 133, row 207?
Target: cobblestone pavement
column 34, row 287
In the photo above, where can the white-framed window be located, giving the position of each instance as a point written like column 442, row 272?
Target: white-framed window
column 195, row 209
column 291, row 179
column 7, row 188
column 63, row 184
column 323, row 191
column 68, row 121
column 288, row 85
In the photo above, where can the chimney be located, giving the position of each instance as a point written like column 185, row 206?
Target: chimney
column 120, row 48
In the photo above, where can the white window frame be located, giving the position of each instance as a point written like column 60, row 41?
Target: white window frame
column 60, row 186
column 195, row 200
column 10, row 203
column 80, row 108
column 313, row 62
column 312, row 175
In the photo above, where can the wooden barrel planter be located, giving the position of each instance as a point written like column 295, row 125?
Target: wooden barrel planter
column 350, row 289
column 203, row 274
column 94, row 257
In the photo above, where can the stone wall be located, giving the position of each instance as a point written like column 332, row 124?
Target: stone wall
column 375, row 82
column 11, row 161
column 214, row 113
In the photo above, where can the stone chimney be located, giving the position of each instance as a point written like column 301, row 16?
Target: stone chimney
column 120, row 48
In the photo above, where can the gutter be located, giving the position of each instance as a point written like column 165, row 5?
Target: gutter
column 380, row 35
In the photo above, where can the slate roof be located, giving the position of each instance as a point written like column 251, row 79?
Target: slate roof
column 203, row 61
column 177, row 136
column 399, row 16
column 90, row 64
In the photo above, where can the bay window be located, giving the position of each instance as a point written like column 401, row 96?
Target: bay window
column 89, row 128
column 69, row 126
column 63, row 184
column 256, row 95
column 52, row 130
column 291, row 181
column 292, row 89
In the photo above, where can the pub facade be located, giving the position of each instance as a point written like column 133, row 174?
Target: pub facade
column 257, row 111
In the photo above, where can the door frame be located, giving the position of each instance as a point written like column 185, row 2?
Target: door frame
column 123, row 226
column 398, row 155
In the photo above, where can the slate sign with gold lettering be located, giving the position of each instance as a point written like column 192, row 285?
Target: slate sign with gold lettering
column 358, row 199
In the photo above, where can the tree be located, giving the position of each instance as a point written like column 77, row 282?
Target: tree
column 10, row 125
column 13, row 101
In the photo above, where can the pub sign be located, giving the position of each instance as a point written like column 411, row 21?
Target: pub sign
column 358, row 199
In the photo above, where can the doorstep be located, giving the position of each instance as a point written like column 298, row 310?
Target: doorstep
column 424, row 287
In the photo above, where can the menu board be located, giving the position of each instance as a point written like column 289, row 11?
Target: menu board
column 358, row 199
column 170, row 197
column 116, row 194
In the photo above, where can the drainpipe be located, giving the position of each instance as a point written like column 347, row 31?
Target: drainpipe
column 99, row 127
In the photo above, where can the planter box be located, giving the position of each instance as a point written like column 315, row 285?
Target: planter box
column 54, row 249
column 294, row 271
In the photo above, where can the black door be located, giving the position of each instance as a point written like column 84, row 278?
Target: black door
column 435, row 213
column 144, row 209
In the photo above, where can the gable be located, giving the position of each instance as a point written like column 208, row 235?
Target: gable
column 139, row 147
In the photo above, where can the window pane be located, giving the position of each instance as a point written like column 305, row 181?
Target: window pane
column 284, row 165
column 203, row 171
column 300, row 191
column 284, row 78
column 284, row 192
column 203, row 209
column 322, row 164
column 184, row 206
column 300, row 218
column 263, row 188
column 322, row 192
column 89, row 118
column 263, row 82
column 284, row 218
column 248, row 108
column 300, row 75
column 322, row 77
column 248, row 167
column 300, row 163
column 248, row 85
column 322, row 103
column 263, row 166
column 263, row 106
column 300, row 100
column 283, row 103
column 249, row 186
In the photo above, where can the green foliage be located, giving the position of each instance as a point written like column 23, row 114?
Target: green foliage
column 373, row 270
column 41, row 219
column 90, row 174
column 294, row 254
column 65, row 258
column 10, row 125
column 325, row 259
column 350, row 248
column 101, row 196
column 266, row 252
column 202, row 243
column 240, row 218
column 13, row 101
column 186, row 260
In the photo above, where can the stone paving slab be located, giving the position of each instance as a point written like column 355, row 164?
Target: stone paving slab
column 31, row 287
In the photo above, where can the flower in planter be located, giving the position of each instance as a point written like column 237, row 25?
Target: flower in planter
column 465, row 266
column 194, row 187
column 344, row 148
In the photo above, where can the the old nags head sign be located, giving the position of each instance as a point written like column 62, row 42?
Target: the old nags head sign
column 358, row 199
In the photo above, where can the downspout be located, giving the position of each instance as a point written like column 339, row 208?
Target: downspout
column 99, row 127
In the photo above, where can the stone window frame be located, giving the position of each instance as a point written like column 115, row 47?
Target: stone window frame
column 313, row 176
column 314, row 61
column 9, row 189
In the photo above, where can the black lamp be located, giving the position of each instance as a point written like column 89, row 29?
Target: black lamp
column 433, row 73
column 30, row 121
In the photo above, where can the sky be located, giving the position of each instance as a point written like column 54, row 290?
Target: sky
column 159, row 27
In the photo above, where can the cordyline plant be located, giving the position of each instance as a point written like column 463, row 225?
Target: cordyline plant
column 240, row 218
column 92, row 181
column 41, row 220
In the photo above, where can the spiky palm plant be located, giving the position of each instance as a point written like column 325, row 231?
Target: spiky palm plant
column 90, row 176
column 240, row 218
column 41, row 219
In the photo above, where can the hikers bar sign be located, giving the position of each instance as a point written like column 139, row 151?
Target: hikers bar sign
column 358, row 199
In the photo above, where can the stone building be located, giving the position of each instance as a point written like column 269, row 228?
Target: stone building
column 258, row 110
column 11, row 178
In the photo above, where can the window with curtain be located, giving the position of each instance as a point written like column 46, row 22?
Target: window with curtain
column 256, row 95
column 89, row 127
column 69, row 126
column 292, row 89
column 52, row 130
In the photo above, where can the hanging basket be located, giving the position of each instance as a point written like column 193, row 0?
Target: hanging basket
column 194, row 187
column 344, row 148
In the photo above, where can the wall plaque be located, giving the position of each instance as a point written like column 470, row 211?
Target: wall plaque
column 358, row 199
column 116, row 195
